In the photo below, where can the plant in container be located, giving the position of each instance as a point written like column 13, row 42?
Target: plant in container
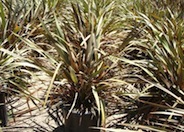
column 82, row 65
column 13, row 60
column 13, row 79
column 161, row 101
column 166, row 67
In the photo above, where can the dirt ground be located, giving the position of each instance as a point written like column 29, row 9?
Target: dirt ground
column 28, row 116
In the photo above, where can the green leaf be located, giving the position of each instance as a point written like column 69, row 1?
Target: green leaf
column 2, row 15
column 58, row 27
column 51, row 84
column 73, row 75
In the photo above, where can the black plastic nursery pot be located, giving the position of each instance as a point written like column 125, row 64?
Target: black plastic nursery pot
column 77, row 122
column 3, row 111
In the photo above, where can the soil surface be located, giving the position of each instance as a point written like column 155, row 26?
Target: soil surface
column 29, row 115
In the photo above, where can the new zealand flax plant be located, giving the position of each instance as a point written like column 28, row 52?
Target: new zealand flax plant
column 14, row 78
column 161, row 99
column 166, row 63
column 157, row 55
column 14, row 62
column 82, row 63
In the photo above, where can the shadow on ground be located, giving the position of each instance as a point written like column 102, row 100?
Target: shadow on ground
column 59, row 129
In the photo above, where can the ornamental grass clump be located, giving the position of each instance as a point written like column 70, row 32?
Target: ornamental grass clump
column 165, row 42
column 14, row 61
column 82, row 64
column 158, row 103
column 161, row 99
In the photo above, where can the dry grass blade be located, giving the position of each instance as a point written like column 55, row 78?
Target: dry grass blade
column 51, row 84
